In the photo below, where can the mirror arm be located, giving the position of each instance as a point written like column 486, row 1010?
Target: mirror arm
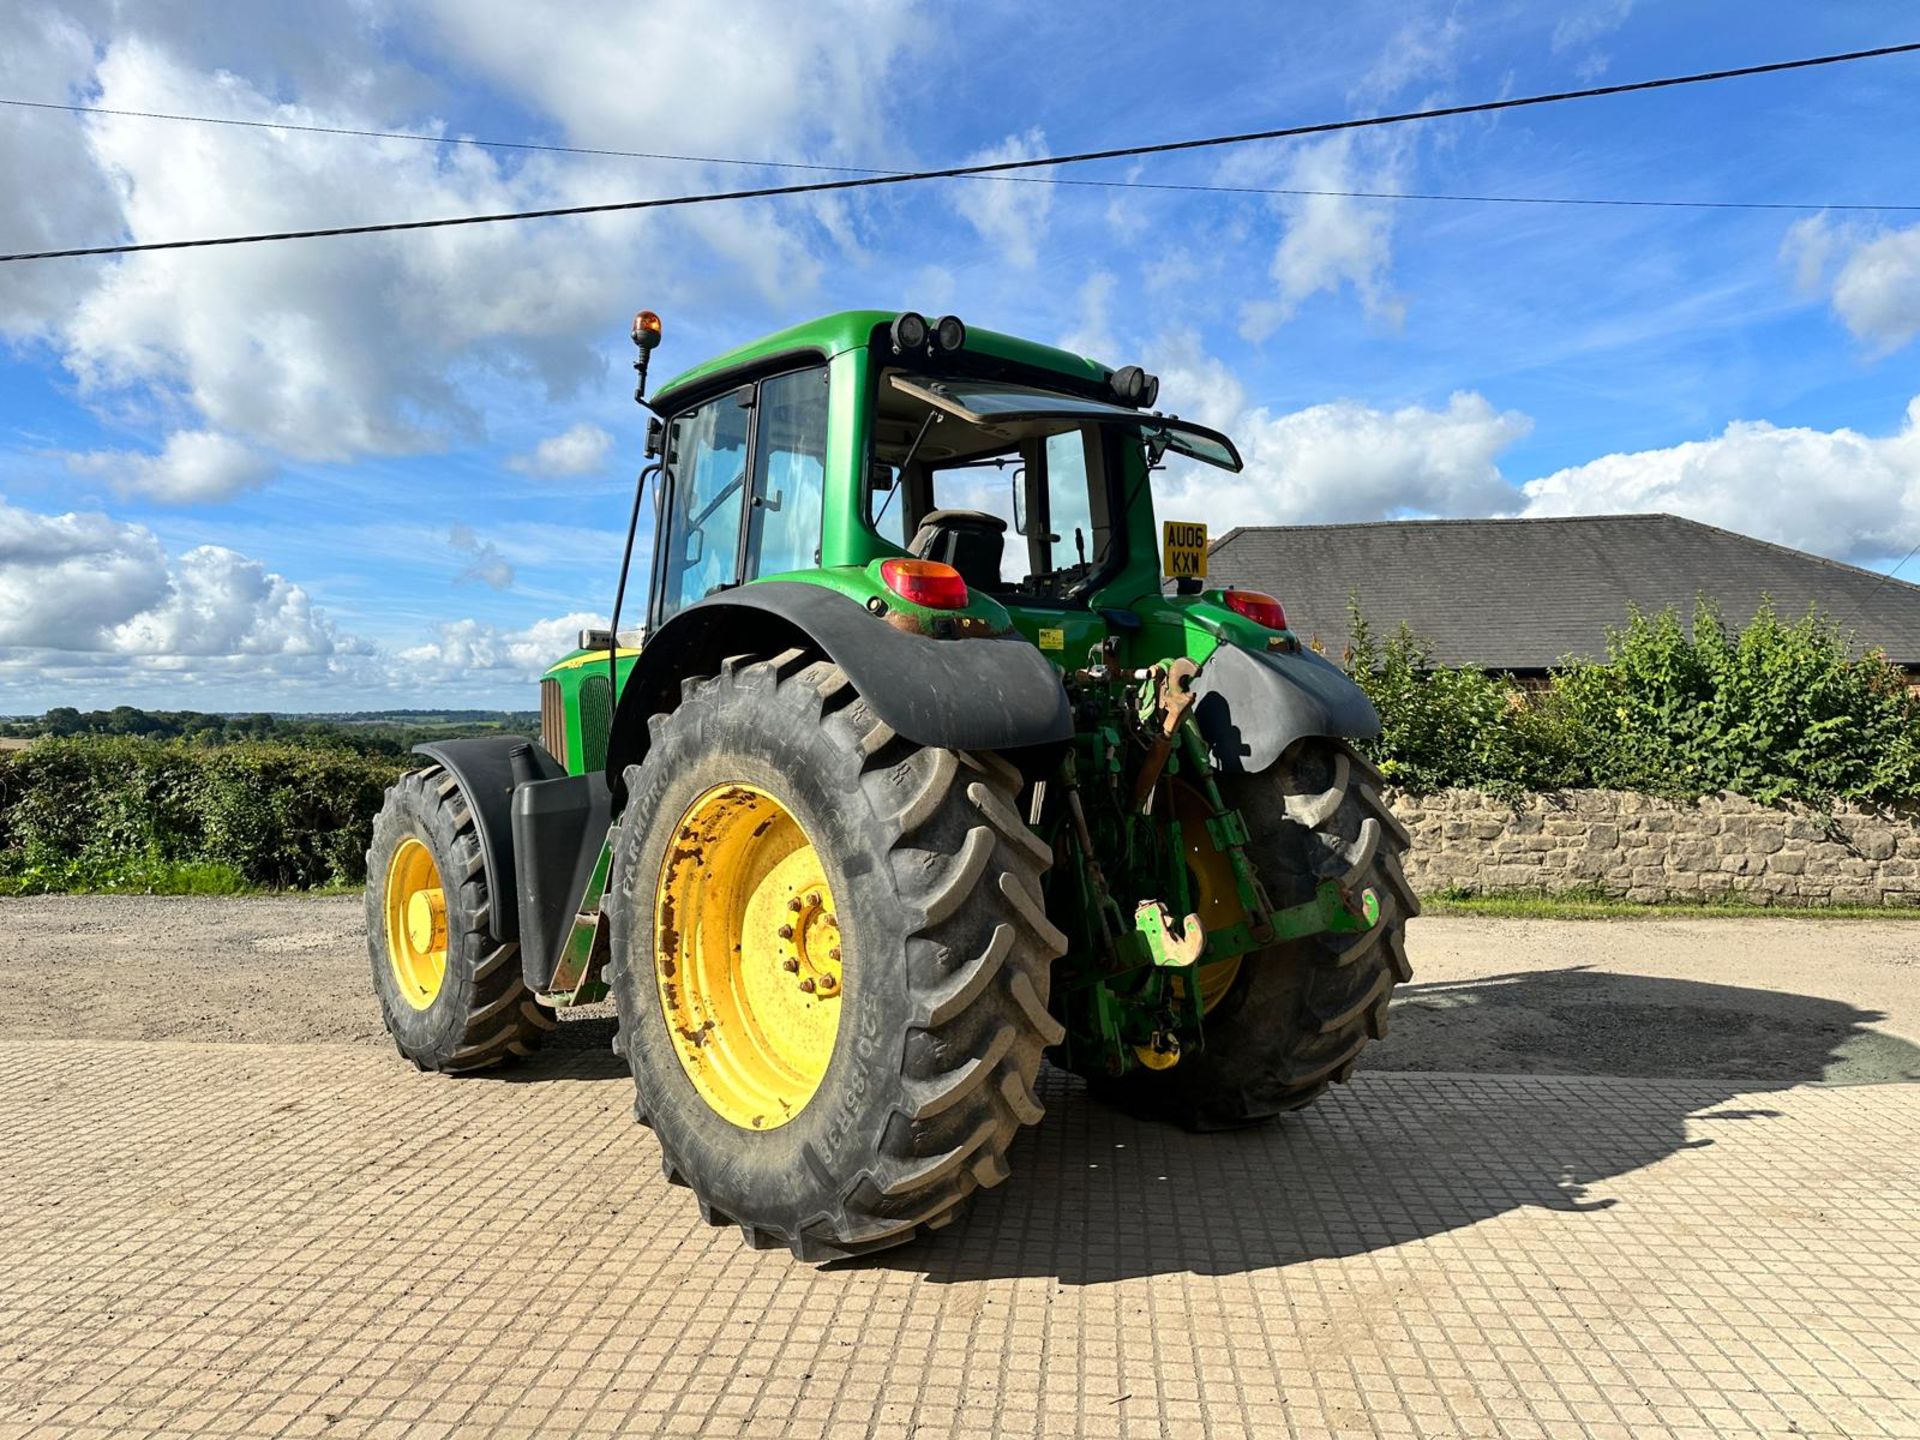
column 626, row 563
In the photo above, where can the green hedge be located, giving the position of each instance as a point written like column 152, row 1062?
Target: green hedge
column 1776, row 710
column 94, row 813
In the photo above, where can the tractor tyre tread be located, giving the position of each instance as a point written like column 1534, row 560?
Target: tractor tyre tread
column 484, row 1015
column 954, row 877
column 1300, row 1013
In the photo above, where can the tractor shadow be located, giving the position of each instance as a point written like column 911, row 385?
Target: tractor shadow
column 580, row 1048
column 1487, row 1096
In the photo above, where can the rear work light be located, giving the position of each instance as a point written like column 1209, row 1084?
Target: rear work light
column 1257, row 607
column 925, row 582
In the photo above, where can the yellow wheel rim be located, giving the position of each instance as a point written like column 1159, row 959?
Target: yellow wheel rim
column 1216, row 898
column 416, row 923
column 747, row 956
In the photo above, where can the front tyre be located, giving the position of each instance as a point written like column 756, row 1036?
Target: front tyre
column 830, row 960
column 1295, row 1016
column 451, row 996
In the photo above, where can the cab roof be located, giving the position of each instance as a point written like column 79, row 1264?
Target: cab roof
column 852, row 330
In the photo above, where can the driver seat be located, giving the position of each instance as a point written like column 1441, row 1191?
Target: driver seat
column 971, row 541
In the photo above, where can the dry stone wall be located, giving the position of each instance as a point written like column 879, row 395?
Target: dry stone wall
column 1640, row 848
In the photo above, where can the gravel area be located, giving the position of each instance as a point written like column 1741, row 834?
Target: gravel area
column 1735, row 999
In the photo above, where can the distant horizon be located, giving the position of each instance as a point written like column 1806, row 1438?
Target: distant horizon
column 328, row 475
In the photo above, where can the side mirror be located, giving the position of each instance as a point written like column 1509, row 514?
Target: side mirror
column 1019, row 501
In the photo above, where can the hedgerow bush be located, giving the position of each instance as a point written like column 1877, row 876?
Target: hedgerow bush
column 122, row 813
column 1774, row 710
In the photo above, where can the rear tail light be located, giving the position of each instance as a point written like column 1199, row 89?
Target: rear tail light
column 1259, row 608
column 925, row 582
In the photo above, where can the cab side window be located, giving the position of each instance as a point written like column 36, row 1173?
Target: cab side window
column 789, row 473
column 707, row 465
column 745, row 488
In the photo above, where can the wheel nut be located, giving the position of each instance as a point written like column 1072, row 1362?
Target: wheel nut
column 829, row 920
column 794, row 904
column 786, row 932
column 834, row 953
column 827, row 982
column 813, row 900
column 791, row 966
column 806, row 987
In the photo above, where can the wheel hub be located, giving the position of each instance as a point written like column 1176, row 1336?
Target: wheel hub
column 748, row 956
column 416, row 912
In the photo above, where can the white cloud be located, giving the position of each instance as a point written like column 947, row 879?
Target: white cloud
column 1010, row 215
column 387, row 345
column 487, row 564
column 93, row 611
column 1330, row 240
column 1092, row 333
column 221, row 603
column 65, row 580
column 1335, row 241
column 578, row 450
column 757, row 77
column 194, row 466
column 1420, row 53
column 473, row 649
column 1348, row 461
column 1875, row 284
column 1834, row 492
column 86, row 584
column 54, row 195
column 1196, row 385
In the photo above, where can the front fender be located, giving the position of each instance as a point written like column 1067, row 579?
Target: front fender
column 976, row 693
column 483, row 766
column 1252, row 706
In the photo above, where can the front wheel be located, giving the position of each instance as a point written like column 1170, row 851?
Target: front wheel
column 451, row 995
column 1283, row 1023
column 829, row 958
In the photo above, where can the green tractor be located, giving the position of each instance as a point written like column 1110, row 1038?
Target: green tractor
column 935, row 757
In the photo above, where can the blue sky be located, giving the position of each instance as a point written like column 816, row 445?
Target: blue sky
column 377, row 471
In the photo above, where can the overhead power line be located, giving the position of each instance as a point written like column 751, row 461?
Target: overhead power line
column 997, row 167
column 822, row 168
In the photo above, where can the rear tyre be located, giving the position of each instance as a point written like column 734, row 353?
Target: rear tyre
column 776, row 819
column 1297, row 1015
column 451, row 996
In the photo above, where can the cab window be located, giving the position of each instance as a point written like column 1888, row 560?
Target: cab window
column 744, row 488
column 706, row 493
column 789, row 473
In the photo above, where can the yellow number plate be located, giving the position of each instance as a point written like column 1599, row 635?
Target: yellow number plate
column 1184, row 550
column 1053, row 639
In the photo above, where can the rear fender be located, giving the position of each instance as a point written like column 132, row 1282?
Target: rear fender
column 977, row 693
column 1251, row 706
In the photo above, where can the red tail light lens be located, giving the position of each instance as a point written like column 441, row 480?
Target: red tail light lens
column 925, row 582
column 1259, row 608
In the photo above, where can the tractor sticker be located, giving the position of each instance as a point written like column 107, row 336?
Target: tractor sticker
column 1053, row 639
column 1185, row 550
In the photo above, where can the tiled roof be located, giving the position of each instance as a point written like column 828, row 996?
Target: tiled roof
column 1523, row 594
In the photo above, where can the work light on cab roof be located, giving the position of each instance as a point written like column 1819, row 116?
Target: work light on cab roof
column 934, row 753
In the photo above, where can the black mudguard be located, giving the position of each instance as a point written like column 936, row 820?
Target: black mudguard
column 1252, row 706
column 980, row 693
column 484, row 767
column 559, row 829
